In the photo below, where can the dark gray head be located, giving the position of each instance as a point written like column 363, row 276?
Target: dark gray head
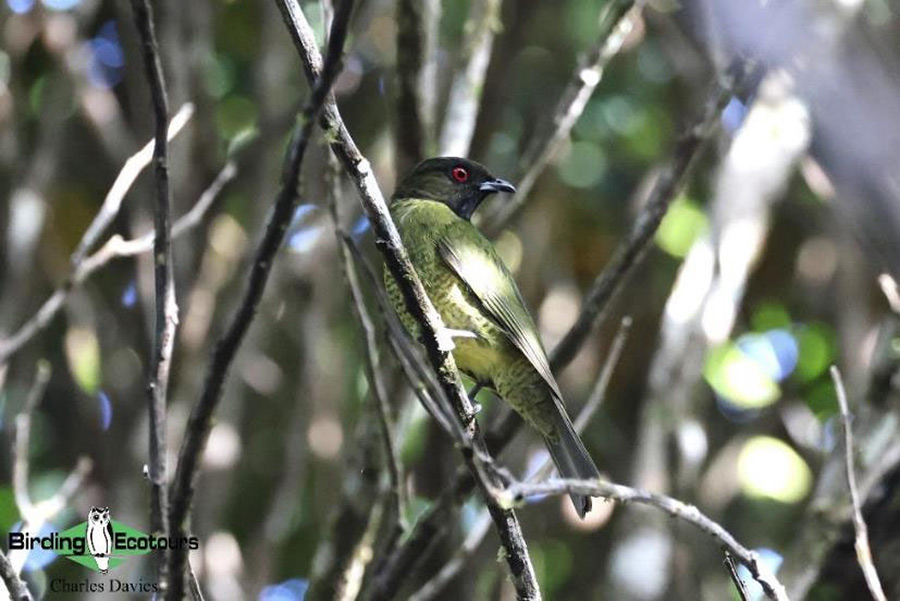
column 460, row 184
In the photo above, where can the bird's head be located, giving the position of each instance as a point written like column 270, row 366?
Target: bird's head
column 460, row 184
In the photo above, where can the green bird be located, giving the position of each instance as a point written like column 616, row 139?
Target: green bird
column 488, row 328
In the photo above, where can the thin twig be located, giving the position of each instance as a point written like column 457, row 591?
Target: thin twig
column 194, row 584
column 417, row 303
column 166, row 309
column 373, row 366
column 114, row 248
column 735, row 578
column 522, row 491
column 617, row 21
column 35, row 515
column 124, row 180
column 863, row 550
column 468, row 82
column 14, row 585
column 197, row 430
column 634, row 247
column 473, row 540
column 457, row 561
column 23, row 440
column 421, row 379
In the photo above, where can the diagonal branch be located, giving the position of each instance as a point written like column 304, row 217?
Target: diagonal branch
column 226, row 348
column 419, row 306
column 373, row 366
column 36, row 514
column 123, row 182
column 114, row 248
column 616, row 22
column 79, row 271
column 634, row 247
column 17, row 589
column 863, row 550
column 521, row 492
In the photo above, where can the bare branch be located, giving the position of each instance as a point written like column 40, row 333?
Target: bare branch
column 521, row 492
column 23, row 440
column 166, row 308
column 35, row 515
column 419, row 376
column 465, row 91
column 417, row 302
column 863, row 551
column 114, row 248
column 735, row 578
column 457, row 561
column 127, row 175
column 200, row 420
column 633, row 248
column 194, row 584
column 373, row 366
column 617, row 21
column 17, row 589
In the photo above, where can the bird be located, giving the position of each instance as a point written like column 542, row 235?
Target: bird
column 487, row 325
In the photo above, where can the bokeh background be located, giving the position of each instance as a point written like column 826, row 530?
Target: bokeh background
column 762, row 275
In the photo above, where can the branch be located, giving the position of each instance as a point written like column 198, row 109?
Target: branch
column 863, row 551
column 165, row 305
column 634, row 247
column 226, row 348
column 735, row 578
column 35, row 515
column 122, row 184
column 616, row 22
column 373, row 365
column 521, row 492
column 115, row 247
column 23, row 440
column 465, row 91
column 419, row 376
column 17, row 589
column 418, row 304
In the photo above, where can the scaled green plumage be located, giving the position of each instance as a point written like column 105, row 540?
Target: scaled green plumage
column 474, row 292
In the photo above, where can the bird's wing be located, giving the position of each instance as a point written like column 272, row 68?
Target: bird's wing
column 473, row 258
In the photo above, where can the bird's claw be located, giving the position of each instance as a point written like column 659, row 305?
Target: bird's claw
column 476, row 409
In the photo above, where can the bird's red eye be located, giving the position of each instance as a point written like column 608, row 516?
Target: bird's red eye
column 460, row 174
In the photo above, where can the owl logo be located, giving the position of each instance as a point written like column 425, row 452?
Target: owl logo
column 99, row 537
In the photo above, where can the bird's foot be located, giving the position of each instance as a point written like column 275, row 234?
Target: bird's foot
column 476, row 409
column 445, row 338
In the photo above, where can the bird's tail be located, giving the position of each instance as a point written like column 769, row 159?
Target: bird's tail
column 571, row 458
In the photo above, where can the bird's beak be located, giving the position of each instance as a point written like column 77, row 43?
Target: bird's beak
column 497, row 185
